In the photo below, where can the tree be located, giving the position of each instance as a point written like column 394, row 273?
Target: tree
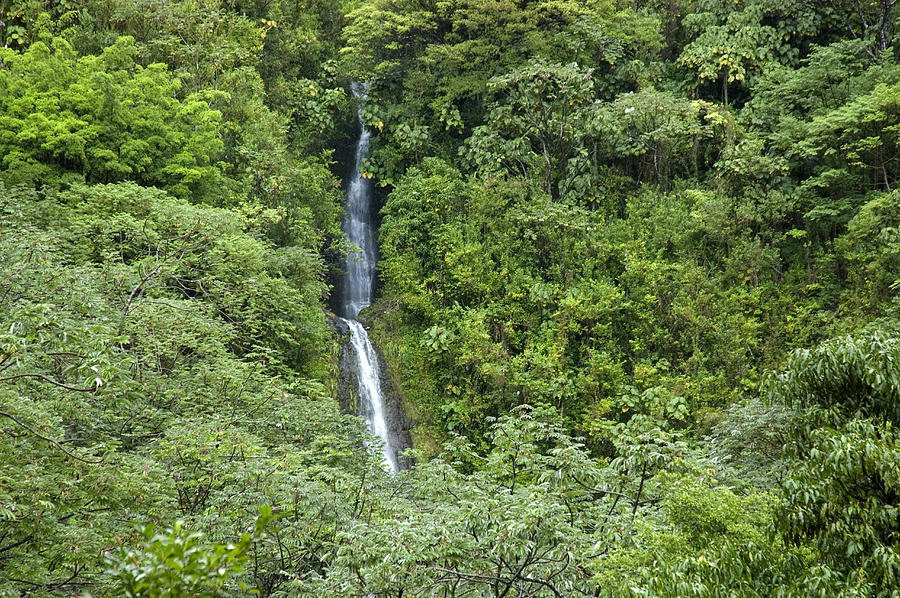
column 872, row 21
column 842, row 493
column 105, row 119
column 541, row 123
column 159, row 362
column 663, row 134
column 728, row 45
column 537, row 516
column 178, row 564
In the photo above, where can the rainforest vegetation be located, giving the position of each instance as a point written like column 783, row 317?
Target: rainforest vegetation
column 639, row 288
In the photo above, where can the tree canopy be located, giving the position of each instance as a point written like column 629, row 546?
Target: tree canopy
column 637, row 293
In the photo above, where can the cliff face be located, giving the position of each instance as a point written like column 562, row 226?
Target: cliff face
column 347, row 388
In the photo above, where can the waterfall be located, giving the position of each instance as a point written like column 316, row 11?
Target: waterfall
column 358, row 288
column 370, row 398
column 360, row 277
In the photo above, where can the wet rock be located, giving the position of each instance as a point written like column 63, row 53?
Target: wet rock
column 348, row 374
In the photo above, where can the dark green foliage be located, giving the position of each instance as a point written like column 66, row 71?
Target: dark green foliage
column 634, row 256
column 432, row 64
column 607, row 248
column 617, row 321
column 535, row 131
column 847, row 377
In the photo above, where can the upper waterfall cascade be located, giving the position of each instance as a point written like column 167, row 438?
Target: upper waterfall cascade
column 358, row 289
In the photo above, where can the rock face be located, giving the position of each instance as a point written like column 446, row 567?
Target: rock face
column 348, row 376
column 398, row 425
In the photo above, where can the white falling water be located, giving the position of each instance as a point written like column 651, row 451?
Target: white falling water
column 370, row 389
column 358, row 288
column 357, row 226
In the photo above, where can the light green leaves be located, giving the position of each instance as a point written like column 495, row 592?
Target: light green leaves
column 105, row 119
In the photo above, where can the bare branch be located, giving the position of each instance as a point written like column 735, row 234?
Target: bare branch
column 50, row 440
column 50, row 381
column 479, row 578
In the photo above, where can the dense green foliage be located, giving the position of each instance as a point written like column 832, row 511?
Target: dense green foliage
column 622, row 246
column 639, row 291
column 159, row 362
